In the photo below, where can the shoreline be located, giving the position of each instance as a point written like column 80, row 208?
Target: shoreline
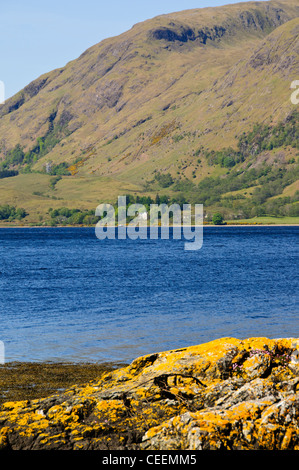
column 171, row 226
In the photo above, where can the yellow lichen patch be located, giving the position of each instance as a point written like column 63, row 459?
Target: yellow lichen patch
column 105, row 405
column 87, row 391
column 109, row 409
column 217, row 348
column 56, row 438
column 286, row 343
column 248, row 410
column 79, row 445
column 63, row 415
column 14, row 406
column 249, row 431
column 195, row 360
column 28, row 424
column 256, row 366
column 258, row 343
column 287, row 439
column 267, row 436
column 3, row 436
column 220, row 428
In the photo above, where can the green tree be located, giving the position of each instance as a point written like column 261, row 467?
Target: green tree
column 11, row 213
column 217, row 219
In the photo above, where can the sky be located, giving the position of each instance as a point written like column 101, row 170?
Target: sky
column 38, row 36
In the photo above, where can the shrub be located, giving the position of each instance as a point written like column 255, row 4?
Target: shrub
column 11, row 213
column 217, row 219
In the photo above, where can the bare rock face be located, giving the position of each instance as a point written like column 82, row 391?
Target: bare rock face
column 224, row 395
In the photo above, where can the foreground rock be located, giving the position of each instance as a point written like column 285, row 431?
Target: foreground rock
column 226, row 394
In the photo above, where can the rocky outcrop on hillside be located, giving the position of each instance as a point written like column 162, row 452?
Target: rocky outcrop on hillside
column 228, row 394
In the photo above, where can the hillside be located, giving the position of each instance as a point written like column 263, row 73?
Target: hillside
column 193, row 105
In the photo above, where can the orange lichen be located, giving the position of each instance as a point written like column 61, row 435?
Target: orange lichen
column 189, row 398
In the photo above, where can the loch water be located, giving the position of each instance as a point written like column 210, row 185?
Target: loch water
column 67, row 296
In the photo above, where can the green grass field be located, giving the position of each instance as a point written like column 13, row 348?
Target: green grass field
column 266, row 221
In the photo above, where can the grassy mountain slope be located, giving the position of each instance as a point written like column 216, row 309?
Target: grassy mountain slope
column 159, row 100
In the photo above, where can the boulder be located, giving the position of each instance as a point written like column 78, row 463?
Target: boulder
column 228, row 394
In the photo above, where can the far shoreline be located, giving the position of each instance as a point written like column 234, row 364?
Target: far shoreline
column 149, row 226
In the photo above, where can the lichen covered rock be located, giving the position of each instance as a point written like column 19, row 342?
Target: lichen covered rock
column 227, row 394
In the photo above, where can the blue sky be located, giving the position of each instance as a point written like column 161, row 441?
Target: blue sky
column 38, row 36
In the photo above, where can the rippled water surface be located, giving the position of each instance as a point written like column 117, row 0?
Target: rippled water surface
column 67, row 296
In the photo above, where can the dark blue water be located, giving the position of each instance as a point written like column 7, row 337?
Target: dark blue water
column 67, row 296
